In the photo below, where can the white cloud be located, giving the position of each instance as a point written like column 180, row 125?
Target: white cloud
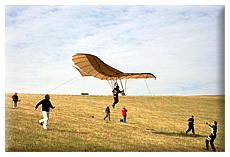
column 178, row 44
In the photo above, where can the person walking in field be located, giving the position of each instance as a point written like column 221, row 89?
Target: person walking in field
column 124, row 114
column 116, row 91
column 212, row 137
column 15, row 100
column 46, row 105
column 107, row 111
column 191, row 126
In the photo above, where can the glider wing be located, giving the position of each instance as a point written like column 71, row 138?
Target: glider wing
column 90, row 65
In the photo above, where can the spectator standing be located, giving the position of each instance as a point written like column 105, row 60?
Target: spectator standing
column 124, row 114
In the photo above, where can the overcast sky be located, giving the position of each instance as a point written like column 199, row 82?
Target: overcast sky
column 183, row 46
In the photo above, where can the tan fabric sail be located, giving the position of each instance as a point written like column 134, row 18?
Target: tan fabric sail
column 90, row 65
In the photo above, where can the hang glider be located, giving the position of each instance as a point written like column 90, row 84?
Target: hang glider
column 90, row 65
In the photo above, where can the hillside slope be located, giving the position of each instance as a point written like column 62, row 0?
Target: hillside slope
column 154, row 124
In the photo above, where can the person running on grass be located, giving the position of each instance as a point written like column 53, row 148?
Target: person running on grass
column 15, row 100
column 107, row 111
column 212, row 137
column 46, row 105
column 191, row 125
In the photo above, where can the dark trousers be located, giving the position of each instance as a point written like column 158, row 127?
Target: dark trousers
column 107, row 115
column 211, row 138
column 115, row 101
column 191, row 127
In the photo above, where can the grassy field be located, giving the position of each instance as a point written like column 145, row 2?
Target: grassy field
column 154, row 124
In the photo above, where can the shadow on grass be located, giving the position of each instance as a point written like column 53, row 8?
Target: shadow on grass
column 174, row 134
column 67, row 131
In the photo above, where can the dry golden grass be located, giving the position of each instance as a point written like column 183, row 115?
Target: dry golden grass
column 154, row 124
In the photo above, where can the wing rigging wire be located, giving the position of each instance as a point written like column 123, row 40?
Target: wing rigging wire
column 62, row 84
column 148, row 87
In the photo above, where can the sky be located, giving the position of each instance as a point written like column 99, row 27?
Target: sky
column 182, row 45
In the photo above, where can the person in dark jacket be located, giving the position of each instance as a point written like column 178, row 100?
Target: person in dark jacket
column 191, row 126
column 15, row 100
column 212, row 137
column 124, row 114
column 116, row 91
column 107, row 111
column 46, row 105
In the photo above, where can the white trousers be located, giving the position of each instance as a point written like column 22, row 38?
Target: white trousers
column 15, row 104
column 45, row 119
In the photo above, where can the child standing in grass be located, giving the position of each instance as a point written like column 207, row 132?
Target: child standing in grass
column 124, row 114
column 107, row 111
column 46, row 105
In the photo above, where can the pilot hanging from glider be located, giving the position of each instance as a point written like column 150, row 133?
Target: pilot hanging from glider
column 90, row 65
column 116, row 91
